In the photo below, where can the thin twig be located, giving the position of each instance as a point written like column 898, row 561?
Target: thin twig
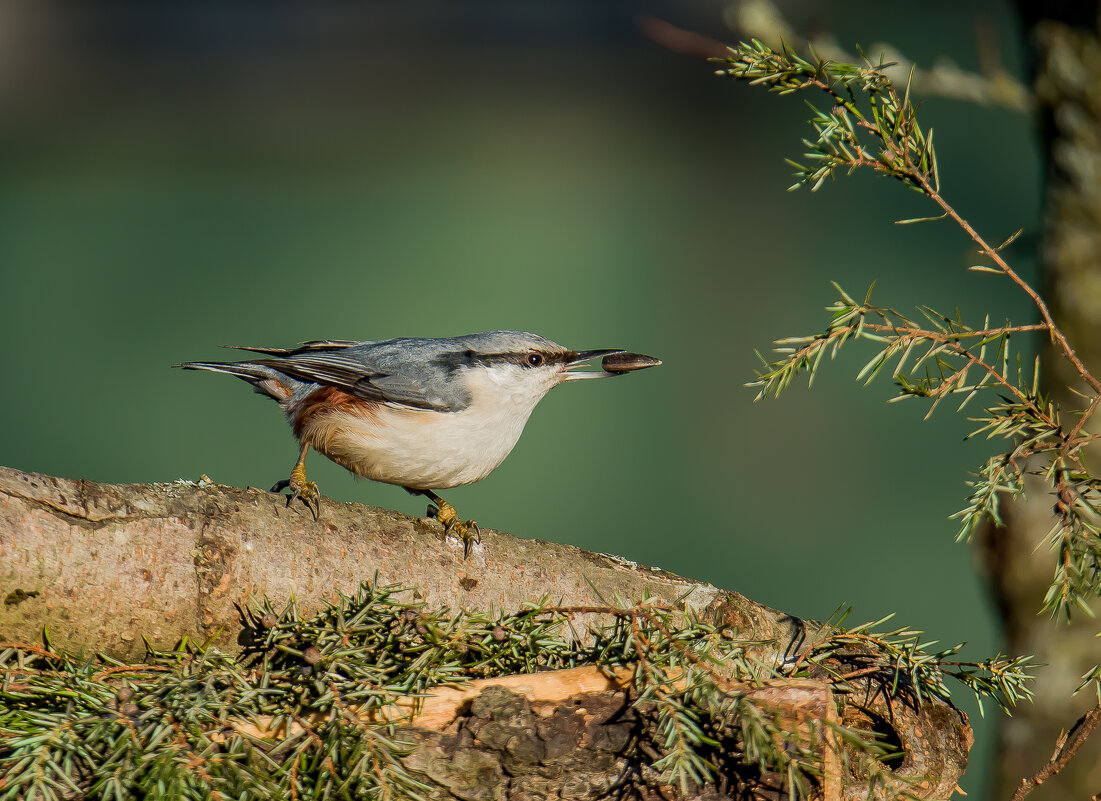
column 949, row 340
column 1064, row 752
column 103, row 674
column 992, row 254
column 34, row 649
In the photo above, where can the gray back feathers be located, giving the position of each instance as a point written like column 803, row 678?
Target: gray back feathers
column 417, row 372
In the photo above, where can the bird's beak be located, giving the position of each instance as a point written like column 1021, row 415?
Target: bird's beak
column 584, row 356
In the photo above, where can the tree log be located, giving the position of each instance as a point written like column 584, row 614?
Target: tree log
column 102, row 566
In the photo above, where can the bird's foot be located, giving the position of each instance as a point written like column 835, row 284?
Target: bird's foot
column 307, row 491
column 467, row 531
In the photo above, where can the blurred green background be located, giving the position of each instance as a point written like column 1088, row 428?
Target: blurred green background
column 179, row 176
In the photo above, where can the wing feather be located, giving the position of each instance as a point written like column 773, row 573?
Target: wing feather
column 357, row 377
column 409, row 372
column 305, row 347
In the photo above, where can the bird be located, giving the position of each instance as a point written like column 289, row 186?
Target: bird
column 424, row 414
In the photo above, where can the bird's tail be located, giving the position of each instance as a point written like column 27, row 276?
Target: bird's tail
column 264, row 379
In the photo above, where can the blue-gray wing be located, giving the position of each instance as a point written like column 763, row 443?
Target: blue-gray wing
column 372, row 371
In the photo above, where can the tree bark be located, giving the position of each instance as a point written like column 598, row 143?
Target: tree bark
column 108, row 564
column 101, row 567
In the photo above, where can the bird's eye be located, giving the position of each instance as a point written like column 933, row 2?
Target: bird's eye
column 534, row 359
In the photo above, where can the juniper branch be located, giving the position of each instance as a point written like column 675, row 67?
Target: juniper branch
column 888, row 138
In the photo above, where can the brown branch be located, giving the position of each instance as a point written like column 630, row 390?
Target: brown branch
column 1065, row 749
column 34, row 649
column 914, row 335
column 128, row 669
column 993, row 254
column 900, row 152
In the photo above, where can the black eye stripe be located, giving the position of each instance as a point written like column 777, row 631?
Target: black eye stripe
column 523, row 359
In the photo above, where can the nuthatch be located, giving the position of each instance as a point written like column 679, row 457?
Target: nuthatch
column 425, row 414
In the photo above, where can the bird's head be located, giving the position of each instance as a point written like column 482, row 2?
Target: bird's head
column 524, row 367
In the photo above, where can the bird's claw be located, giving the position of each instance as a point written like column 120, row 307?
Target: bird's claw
column 468, row 531
column 302, row 489
column 310, row 495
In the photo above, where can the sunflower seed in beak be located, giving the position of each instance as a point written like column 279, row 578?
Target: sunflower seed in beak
column 626, row 362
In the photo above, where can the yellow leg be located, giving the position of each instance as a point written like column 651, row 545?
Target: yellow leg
column 467, row 531
column 300, row 487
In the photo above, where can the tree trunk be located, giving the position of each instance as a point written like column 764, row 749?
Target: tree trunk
column 101, row 566
column 1066, row 52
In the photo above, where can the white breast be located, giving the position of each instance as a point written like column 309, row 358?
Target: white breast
column 424, row 449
